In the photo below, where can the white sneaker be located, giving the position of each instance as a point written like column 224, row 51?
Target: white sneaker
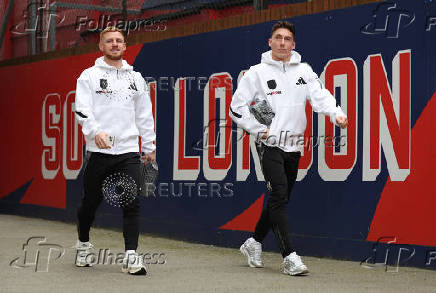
column 133, row 264
column 252, row 250
column 83, row 249
column 293, row 265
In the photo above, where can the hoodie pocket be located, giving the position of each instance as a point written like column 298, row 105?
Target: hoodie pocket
column 289, row 120
column 273, row 138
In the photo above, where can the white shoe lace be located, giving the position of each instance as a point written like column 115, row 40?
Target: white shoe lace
column 83, row 251
column 296, row 259
column 141, row 261
column 257, row 252
column 83, row 246
column 293, row 265
column 133, row 260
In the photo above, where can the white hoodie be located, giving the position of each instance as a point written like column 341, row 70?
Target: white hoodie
column 286, row 87
column 115, row 101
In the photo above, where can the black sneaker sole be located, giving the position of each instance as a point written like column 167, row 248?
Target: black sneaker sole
column 142, row 271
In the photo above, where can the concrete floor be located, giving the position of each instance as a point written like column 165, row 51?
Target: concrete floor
column 187, row 267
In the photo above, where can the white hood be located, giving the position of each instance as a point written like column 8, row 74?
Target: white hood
column 267, row 58
column 99, row 62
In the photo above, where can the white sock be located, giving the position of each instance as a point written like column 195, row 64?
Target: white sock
column 130, row 252
column 83, row 243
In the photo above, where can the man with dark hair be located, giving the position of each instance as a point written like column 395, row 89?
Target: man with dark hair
column 284, row 24
column 284, row 83
column 113, row 106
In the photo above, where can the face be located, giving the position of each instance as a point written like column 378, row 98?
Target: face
column 112, row 45
column 281, row 43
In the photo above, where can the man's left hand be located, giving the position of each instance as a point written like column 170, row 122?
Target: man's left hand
column 342, row 121
column 150, row 157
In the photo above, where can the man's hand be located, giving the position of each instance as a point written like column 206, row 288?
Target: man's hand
column 265, row 134
column 101, row 140
column 150, row 157
column 342, row 121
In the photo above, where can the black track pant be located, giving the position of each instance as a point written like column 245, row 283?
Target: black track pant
column 98, row 167
column 280, row 171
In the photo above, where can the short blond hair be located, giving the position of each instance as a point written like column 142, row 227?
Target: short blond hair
column 112, row 29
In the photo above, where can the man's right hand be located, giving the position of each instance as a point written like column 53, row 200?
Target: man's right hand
column 265, row 134
column 101, row 140
column 150, row 157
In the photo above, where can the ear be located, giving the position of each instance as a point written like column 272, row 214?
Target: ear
column 100, row 46
column 269, row 42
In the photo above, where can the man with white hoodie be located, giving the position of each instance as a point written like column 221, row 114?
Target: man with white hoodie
column 285, row 83
column 113, row 106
